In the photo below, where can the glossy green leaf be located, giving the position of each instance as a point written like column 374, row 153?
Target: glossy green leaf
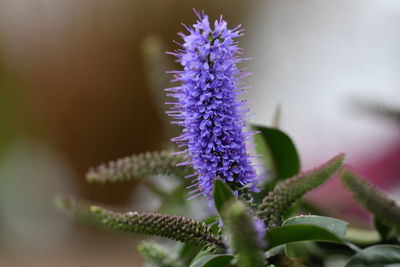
column 303, row 249
column 220, row 260
column 222, row 195
column 187, row 253
column 307, row 228
column 336, row 226
column 376, row 256
column 278, row 151
column 300, row 232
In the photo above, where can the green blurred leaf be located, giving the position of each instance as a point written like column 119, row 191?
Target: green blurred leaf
column 222, row 194
column 220, row 260
column 156, row 255
column 379, row 109
column 376, row 256
column 175, row 202
column 275, row 251
column 187, row 253
column 362, row 237
column 307, row 228
column 280, row 260
column 276, row 118
column 244, row 237
column 278, row 151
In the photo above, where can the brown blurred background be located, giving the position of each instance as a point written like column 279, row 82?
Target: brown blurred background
column 81, row 83
column 76, row 91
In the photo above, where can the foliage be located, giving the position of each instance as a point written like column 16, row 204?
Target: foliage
column 305, row 228
column 244, row 225
column 170, row 226
column 245, row 239
column 238, row 242
column 278, row 151
column 277, row 202
column 379, row 255
column 385, row 210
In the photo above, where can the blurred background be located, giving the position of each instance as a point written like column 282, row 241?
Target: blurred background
column 81, row 83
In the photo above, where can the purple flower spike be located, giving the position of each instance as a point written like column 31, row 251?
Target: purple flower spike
column 208, row 107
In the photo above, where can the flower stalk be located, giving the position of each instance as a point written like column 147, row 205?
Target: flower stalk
column 208, row 108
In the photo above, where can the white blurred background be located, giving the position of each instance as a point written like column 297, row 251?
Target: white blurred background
column 317, row 59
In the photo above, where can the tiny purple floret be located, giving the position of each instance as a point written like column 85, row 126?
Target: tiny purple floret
column 261, row 230
column 208, row 107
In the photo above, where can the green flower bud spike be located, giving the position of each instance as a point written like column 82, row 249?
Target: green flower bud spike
column 373, row 199
column 145, row 164
column 277, row 202
column 245, row 239
column 177, row 228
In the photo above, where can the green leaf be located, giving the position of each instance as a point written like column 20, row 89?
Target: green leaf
column 301, row 232
column 303, row 249
column 278, row 151
column 376, row 256
column 140, row 165
column 307, row 228
column 220, row 260
column 373, row 199
column 275, row 251
column 336, row 226
column 243, row 235
column 187, row 253
column 280, row 260
column 222, row 194
column 277, row 203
